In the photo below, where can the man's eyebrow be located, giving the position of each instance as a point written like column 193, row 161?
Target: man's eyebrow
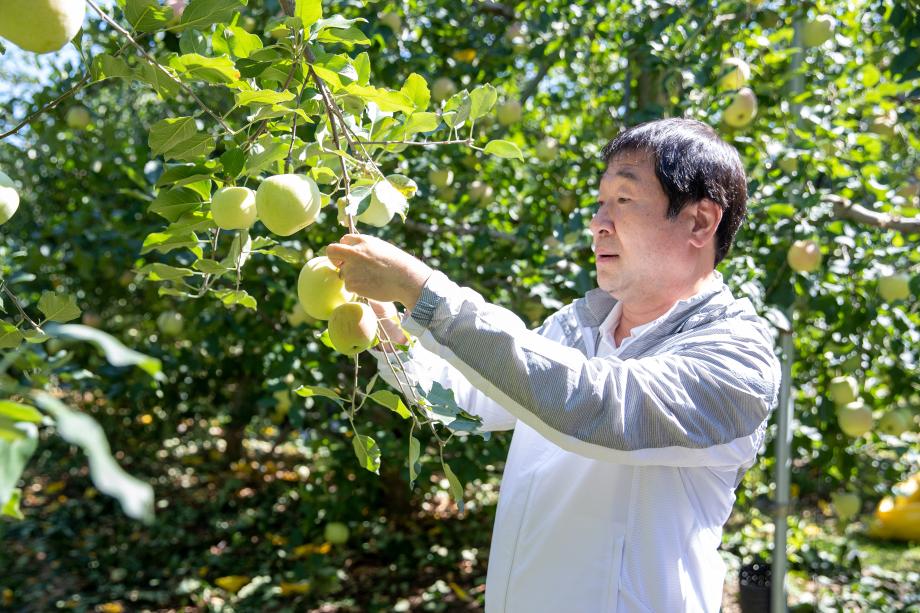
column 626, row 173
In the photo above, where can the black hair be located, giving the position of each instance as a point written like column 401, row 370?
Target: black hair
column 691, row 163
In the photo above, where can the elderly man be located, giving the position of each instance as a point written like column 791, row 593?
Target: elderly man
column 636, row 409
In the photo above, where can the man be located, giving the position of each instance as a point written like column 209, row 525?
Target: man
column 637, row 408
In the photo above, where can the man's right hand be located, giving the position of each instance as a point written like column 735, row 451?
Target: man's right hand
column 389, row 319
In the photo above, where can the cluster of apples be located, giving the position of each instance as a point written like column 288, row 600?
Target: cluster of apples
column 855, row 418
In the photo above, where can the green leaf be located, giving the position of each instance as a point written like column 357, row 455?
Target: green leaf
column 368, row 453
column 164, row 85
column 457, row 109
column 164, row 272
column 173, row 203
column 504, row 149
column 14, row 455
column 317, row 390
column 391, row 401
column 482, row 99
column 146, row 15
column 193, row 221
column 416, row 89
column 116, row 353
column 211, row 267
column 165, row 242
column 309, row 12
column 348, row 37
column 57, row 307
column 421, row 122
column 201, row 13
column 17, row 411
column 415, row 452
column 10, row 336
column 230, row 297
column 456, row 488
column 235, row 41
column 179, row 139
column 263, row 96
column 218, row 70
column 135, row 496
column 193, row 41
column 11, row 507
column 108, row 67
column 363, row 68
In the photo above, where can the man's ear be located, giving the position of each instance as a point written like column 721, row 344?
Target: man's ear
column 705, row 215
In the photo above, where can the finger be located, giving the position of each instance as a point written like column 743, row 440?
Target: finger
column 352, row 239
column 337, row 252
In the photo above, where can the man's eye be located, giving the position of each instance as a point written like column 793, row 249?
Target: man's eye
column 622, row 200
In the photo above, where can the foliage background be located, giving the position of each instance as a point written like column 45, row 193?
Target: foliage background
column 244, row 489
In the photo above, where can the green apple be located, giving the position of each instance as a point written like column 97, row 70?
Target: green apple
column 234, row 208
column 894, row 287
column 441, row 177
column 846, row 505
column 353, row 328
column 509, row 112
column 386, row 201
column 480, row 192
column 336, row 533
column 170, row 323
column 77, row 117
column 547, row 149
column 818, row 31
column 41, row 26
column 843, row 390
column 392, row 21
column 804, row 256
column 735, row 74
column 895, row 422
column 442, row 89
column 742, row 109
column 287, row 203
column 319, row 288
column 854, row 419
column 9, row 198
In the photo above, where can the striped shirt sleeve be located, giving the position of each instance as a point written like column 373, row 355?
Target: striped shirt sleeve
column 704, row 403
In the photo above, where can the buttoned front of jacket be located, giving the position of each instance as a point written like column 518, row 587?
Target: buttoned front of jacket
column 623, row 462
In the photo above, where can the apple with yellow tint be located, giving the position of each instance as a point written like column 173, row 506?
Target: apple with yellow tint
column 818, row 31
column 287, row 203
column 41, row 26
column 234, row 208
column 742, row 109
column 735, row 74
column 9, row 198
column 894, row 287
column 846, row 504
column 353, row 328
column 509, row 112
column 895, row 422
column 319, row 289
column 854, row 419
column 441, row 177
column 843, row 390
column 77, row 117
column 804, row 256
column 336, row 533
column 442, row 89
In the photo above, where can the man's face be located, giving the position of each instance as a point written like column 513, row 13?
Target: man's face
column 639, row 251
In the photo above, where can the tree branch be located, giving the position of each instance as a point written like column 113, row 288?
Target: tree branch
column 843, row 208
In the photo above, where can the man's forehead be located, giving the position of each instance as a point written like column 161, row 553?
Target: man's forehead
column 630, row 166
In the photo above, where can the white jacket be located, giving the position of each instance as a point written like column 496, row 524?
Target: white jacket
column 624, row 461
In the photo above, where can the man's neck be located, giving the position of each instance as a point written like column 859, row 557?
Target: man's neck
column 634, row 315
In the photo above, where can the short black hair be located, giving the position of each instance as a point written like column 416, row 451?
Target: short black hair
column 692, row 163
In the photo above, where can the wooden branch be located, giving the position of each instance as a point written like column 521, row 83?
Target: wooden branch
column 845, row 209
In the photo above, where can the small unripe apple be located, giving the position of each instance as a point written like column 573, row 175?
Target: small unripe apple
column 353, row 328
column 894, row 287
column 77, row 117
column 480, row 192
column 804, row 256
column 287, row 203
column 547, row 149
column 736, row 73
column 319, row 288
column 41, row 26
column 895, row 422
column 234, row 208
column 846, row 505
column 441, row 177
column 170, row 323
column 742, row 109
column 442, row 89
column 509, row 112
column 392, row 21
column 336, row 533
column 843, row 390
column 9, row 198
column 854, row 419
column 818, row 31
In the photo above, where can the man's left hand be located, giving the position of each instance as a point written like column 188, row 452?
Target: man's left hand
column 375, row 269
